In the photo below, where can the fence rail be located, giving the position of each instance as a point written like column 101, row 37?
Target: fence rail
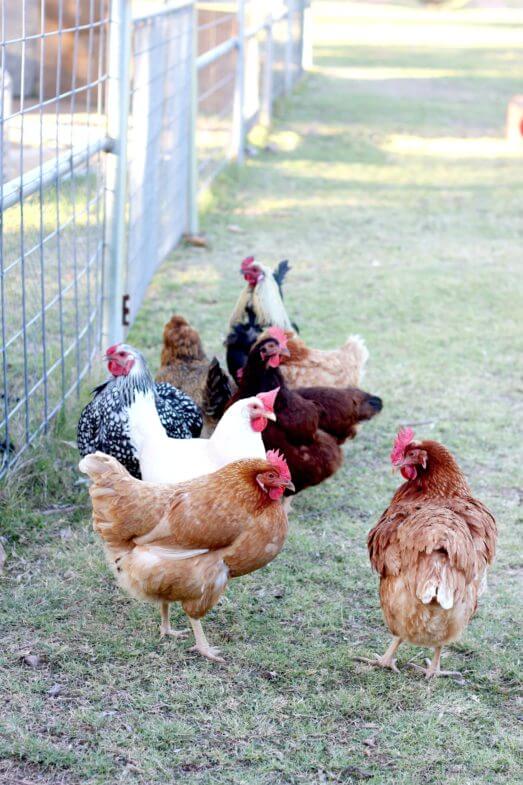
column 113, row 123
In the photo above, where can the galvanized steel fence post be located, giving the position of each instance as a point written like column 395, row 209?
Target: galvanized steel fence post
column 192, row 184
column 306, row 36
column 266, row 102
column 239, row 97
column 117, row 107
column 288, row 47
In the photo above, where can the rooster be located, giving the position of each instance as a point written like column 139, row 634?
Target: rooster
column 185, row 365
column 431, row 548
column 309, row 426
column 104, row 422
column 341, row 367
column 259, row 306
column 183, row 543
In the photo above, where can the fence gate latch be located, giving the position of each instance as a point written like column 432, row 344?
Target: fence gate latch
column 126, row 311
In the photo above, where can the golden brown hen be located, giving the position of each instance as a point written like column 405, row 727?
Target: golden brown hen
column 306, row 367
column 182, row 543
column 185, row 365
column 431, row 548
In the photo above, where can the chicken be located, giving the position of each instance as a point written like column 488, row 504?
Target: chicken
column 104, row 424
column 343, row 367
column 185, row 365
column 239, row 343
column 431, row 549
column 342, row 410
column 307, row 431
column 182, row 543
column 259, row 306
column 165, row 460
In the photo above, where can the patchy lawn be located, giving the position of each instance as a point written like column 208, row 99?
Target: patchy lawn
column 389, row 186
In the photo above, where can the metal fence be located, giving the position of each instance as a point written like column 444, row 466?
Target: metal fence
column 115, row 116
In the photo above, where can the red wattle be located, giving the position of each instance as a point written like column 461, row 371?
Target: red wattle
column 258, row 424
column 274, row 361
column 116, row 369
column 409, row 472
column 276, row 493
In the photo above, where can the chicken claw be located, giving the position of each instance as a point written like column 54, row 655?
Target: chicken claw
column 433, row 669
column 202, row 644
column 380, row 662
column 386, row 660
column 169, row 632
column 211, row 652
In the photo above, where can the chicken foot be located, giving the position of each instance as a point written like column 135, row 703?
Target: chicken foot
column 386, row 660
column 433, row 667
column 165, row 626
column 202, row 644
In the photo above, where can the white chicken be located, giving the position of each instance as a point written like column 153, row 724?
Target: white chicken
column 164, row 460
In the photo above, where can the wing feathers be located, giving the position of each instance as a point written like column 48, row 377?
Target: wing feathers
column 439, row 547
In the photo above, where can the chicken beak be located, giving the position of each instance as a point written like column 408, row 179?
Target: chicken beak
column 290, row 486
column 270, row 416
column 284, row 352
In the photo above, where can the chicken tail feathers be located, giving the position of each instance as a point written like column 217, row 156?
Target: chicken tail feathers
column 217, row 391
column 280, row 272
column 437, row 581
column 123, row 507
column 356, row 355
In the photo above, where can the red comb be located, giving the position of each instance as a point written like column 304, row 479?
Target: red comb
column 279, row 335
column 268, row 398
column 277, row 460
column 112, row 349
column 246, row 263
column 402, row 440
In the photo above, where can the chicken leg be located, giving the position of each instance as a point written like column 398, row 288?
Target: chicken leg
column 202, row 644
column 387, row 660
column 165, row 626
column 433, row 667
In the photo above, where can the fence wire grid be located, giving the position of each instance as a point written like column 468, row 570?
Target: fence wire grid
column 78, row 245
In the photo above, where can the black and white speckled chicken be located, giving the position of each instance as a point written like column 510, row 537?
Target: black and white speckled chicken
column 104, row 422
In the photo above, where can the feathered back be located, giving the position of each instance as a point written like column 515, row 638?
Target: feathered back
column 439, row 547
column 180, row 342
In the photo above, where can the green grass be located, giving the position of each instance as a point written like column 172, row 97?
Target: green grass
column 398, row 203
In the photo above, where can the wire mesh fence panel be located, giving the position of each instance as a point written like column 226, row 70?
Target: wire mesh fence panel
column 217, row 27
column 52, row 198
column 158, row 143
column 169, row 96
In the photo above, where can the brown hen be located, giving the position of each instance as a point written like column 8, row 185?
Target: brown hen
column 185, row 365
column 431, row 548
column 342, row 367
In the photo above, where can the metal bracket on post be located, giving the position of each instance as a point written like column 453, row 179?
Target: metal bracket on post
column 118, row 100
column 239, row 102
column 192, row 184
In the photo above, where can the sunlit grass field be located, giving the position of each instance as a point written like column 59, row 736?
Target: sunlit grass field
column 389, row 186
